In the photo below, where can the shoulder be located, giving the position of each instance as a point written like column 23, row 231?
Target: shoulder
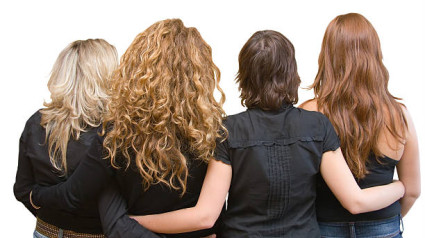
column 35, row 118
column 231, row 120
column 34, row 121
column 293, row 122
column 308, row 120
column 406, row 112
column 309, row 105
column 410, row 130
column 33, row 127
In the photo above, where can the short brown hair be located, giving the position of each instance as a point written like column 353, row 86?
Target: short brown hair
column 267, row 73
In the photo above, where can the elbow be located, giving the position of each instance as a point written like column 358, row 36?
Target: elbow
column 413, row 194
column 206, row 223
column 354, row 208
column 355, row 205
column 207, row 220
column 19, row 193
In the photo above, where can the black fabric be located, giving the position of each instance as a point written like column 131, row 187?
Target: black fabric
column 113, row 213
column 93, row 176
column 34, row 167
column 275, row 158
column 381, row 172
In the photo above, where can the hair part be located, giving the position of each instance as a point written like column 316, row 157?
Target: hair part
column 78, row 85
column 162, row 105
column 351, row 88
column 267, row 73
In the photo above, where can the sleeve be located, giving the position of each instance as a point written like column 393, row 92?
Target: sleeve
column 331, row 140
column 221, row 152
column 85, row 184
column 115, row 221
column 24, row 176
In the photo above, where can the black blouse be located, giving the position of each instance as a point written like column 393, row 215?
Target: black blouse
column 34, row 167
column 275, row 158
column 380, row 172
column 94, row 174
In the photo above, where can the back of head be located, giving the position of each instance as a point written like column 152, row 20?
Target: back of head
column 351, row 88
column 78, row 85
column 162, row 103
column 267, row 73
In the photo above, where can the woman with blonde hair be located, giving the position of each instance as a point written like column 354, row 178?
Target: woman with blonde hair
column 57, row 137
column 376, row 131
column 159, row 132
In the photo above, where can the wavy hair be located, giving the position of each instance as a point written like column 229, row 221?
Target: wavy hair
column 351, row 88
column 78, row 86
column 162, row 104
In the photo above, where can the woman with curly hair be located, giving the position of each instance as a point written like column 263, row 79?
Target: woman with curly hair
column 159, row 132
column 272, row 156
column 376, row 131
column 57, row 137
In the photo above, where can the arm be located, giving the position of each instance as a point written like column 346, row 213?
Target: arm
column 338, row 177
column 408, row 168
column 24, row 176
column 204, row 214
column 85, row 184
column 115, row 221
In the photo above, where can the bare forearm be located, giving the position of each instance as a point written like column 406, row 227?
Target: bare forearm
column 185, row 220
column 407, row 203
column 341, row 182
column 206, row 211
column 379, row 197
column 408, row 169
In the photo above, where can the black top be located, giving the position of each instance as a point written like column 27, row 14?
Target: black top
column 381, row 172
column 95, row 173
column 275, row 158
column 34, row 167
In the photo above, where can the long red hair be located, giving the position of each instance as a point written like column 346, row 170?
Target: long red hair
column 351, row 88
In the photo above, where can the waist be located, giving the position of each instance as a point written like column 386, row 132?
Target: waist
column 389, row 227
column 337, row 213
column 329, row 209
column 83, row 220
column 50, row 230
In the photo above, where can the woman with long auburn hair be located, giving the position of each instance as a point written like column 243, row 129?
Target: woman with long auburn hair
column 376, row 131
column 269, row 163
column 159, row 132
column 57, row 137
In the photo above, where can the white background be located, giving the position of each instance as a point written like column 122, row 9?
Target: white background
column 34, row 32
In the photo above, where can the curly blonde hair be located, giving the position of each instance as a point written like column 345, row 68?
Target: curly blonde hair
column 78, row 85
column 162, row 104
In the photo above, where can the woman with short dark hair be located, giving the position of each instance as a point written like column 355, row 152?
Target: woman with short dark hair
column 270, row 161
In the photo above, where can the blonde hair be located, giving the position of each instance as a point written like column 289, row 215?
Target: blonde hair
column 351, row 88
column 78, row 86
column 162, row 105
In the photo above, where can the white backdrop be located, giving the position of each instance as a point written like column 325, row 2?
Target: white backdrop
column 34, row 32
